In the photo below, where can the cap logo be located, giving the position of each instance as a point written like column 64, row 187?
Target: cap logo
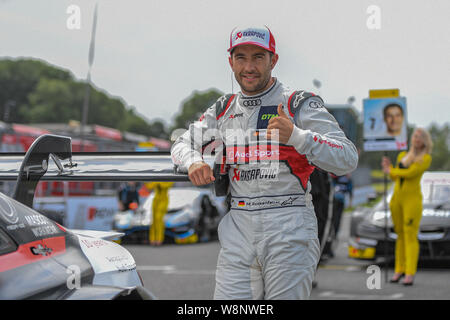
column 238, row 35
column 254, row 34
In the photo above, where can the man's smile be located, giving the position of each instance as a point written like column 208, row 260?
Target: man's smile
column 250, row 76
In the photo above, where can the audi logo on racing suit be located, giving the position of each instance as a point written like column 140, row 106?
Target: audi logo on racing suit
column 252, row 103
column 315, row 105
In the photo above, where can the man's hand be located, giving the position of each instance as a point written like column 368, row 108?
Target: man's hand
column 283, row 124
column 200, row 173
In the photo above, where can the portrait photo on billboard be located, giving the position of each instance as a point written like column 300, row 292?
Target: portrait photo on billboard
column 385, row 124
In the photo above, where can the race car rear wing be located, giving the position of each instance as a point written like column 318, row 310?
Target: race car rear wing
column 27, row 169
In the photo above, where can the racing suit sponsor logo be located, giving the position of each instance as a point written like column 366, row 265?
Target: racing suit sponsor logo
column 298, row 100
column 248, row 154
column 316, row 105
column 237, row 115
column 268, row 116
column 265, row 114
column 332, row 145
column 251, row 103
column 254, row 174
column 289, row 201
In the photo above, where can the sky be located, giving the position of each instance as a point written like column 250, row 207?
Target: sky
column 155, row 54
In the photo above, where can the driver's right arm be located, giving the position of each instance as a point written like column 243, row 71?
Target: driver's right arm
column 188, row 148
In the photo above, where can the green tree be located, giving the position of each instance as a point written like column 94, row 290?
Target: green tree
column 52, row 100
column 440, row 153
column 18, row 78
column 36, row 92
column 194, row 106
column 158, row 129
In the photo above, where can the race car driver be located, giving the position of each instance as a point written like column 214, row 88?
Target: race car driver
column 273, row 138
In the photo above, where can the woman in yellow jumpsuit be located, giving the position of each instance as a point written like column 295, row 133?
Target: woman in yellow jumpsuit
column 406, row 202
column 159, row 208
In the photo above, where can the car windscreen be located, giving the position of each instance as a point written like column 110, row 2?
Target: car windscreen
column 436, row 193
column 7, row 245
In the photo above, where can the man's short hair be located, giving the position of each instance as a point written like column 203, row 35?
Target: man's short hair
column 391, row 105
column 270, row 53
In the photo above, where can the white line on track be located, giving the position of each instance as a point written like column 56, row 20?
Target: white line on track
column 156, row 268
column 334, row 295
column 171, row 269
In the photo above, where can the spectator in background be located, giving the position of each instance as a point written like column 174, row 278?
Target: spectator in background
column 127, row 195
column 406, row 202
column 159, row 209
column 342, row 185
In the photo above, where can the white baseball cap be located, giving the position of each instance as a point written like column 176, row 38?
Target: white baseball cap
column 261, row 37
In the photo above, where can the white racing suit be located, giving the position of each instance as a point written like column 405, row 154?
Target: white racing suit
column 269, row 243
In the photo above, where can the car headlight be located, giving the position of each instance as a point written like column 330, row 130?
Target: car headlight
column 378, row 218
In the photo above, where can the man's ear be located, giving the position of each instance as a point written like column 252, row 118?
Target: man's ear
column 274, row 60
column 230, row 61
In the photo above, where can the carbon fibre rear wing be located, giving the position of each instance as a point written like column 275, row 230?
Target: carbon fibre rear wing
column 27, row 169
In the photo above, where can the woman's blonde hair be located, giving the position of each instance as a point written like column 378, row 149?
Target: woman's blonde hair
column 417, row 155
column 427, row 141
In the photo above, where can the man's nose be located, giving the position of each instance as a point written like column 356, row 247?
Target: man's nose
column 249, row 66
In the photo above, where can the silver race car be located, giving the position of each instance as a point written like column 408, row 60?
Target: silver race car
column 193, row 215
column 369, row 233
column 39, row 258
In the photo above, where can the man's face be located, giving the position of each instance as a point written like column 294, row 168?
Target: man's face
column 252, row 67
column 394, row 120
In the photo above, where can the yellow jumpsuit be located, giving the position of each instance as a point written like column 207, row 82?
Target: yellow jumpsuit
column 406, row 210
column 159, row 208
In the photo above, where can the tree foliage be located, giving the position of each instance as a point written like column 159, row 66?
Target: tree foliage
column 194, row 106
column 441, row 146
column 36, row 92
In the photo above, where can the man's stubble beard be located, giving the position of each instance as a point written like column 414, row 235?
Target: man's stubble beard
column 260, row 87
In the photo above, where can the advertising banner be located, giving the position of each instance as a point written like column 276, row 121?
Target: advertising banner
column 385, row 124
column 86, row 213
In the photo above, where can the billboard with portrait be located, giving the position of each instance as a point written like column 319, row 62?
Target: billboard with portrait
column 385, row 124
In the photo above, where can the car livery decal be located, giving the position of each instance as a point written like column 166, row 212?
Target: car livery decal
column 106, row 256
